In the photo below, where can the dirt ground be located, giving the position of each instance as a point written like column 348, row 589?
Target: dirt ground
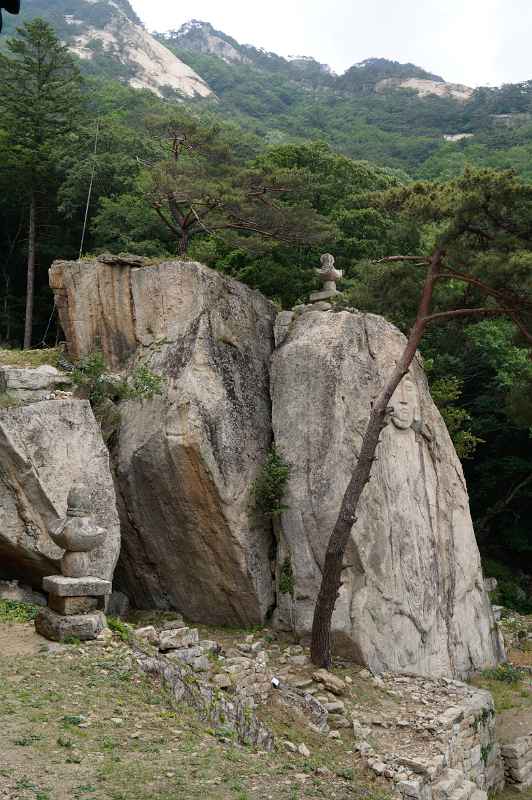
column 21, row 640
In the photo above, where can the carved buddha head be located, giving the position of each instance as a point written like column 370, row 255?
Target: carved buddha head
column 405, row 405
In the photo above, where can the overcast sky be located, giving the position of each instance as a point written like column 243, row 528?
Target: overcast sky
column 476, row 42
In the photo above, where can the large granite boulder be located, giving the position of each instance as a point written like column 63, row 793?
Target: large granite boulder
column 45, row 447
column 412, row 598
column 185, row 461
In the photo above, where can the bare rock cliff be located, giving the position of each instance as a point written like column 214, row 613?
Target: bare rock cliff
column 413, row 598
column 185, row 461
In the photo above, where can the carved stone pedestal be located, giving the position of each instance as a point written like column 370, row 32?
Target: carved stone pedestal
column 75, row 608
column 76, row 601
column 78, row 626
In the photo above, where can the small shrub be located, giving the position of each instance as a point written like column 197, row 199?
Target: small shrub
column 11, row 611
column 89, row 375
column 27, row 741
column 122, row 629
column 485, row 753
column 72, row 640
column 98, row 385
column 286, row 578
column 270, row 486
column 506, row 673
column 72, row 719
column 144, row 384
column 62, row 741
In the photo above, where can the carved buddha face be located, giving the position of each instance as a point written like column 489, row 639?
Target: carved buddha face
column 405, row 404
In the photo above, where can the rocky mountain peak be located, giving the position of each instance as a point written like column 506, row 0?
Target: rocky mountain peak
column 201, row 37
column 109, row 34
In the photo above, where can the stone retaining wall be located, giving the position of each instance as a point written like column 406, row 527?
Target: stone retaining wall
column 517, row 758
column 470, row 763
column 473, row 747
column 206, row 700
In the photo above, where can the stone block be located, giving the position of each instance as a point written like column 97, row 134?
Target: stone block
column 209, row 646
column 58, row 628
column 69, row 606
column 521, row 774
column 29, row 384
column 178, row 638
column 201, row 664
column 186, row 654
column 323, row 295
column 148, row 633
column 331, row 682
column 410, row 789
column 517, row 748
column 76, row 587
column 173, row 624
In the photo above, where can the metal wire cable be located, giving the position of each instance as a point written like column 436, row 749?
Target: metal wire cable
column 93, row 172
column 86, row 217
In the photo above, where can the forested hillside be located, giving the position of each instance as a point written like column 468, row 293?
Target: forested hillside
column 286, row 162
column 363, row 113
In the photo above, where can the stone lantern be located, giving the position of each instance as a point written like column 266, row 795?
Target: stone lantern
column 75, row 599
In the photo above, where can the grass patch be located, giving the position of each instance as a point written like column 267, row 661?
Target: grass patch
column 11, row 611
column 507, row 685
column 161, row 750
column 30, row 358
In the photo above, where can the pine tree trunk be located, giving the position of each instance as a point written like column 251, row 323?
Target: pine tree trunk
column 30, row 284
column 183, row 244
column 331, row 581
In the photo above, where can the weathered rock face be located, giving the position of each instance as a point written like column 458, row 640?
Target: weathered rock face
column 45, row 447
column 186, row 460
column 26, row 385
column 413, row 598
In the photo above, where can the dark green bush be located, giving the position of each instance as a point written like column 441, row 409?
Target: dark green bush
column 270, row 486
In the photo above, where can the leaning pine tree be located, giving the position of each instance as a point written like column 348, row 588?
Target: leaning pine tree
column 39, row 104
column 480, row 266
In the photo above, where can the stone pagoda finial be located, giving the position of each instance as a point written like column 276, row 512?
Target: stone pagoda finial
column 329, row 275
column 78, row 534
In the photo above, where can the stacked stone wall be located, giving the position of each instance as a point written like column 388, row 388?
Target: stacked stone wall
column 470, row 764
column 473, row 747
column 517, row 757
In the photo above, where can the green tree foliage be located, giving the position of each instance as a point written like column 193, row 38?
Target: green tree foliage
column 39, row 99
column 198, row 188
column 480, row 370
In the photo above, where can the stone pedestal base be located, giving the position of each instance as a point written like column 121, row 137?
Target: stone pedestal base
column 324, row 295
column 75, row 587
column 79, row 626
column 68, row 606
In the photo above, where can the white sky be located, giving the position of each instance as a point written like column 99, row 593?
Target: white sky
column 476, row 42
